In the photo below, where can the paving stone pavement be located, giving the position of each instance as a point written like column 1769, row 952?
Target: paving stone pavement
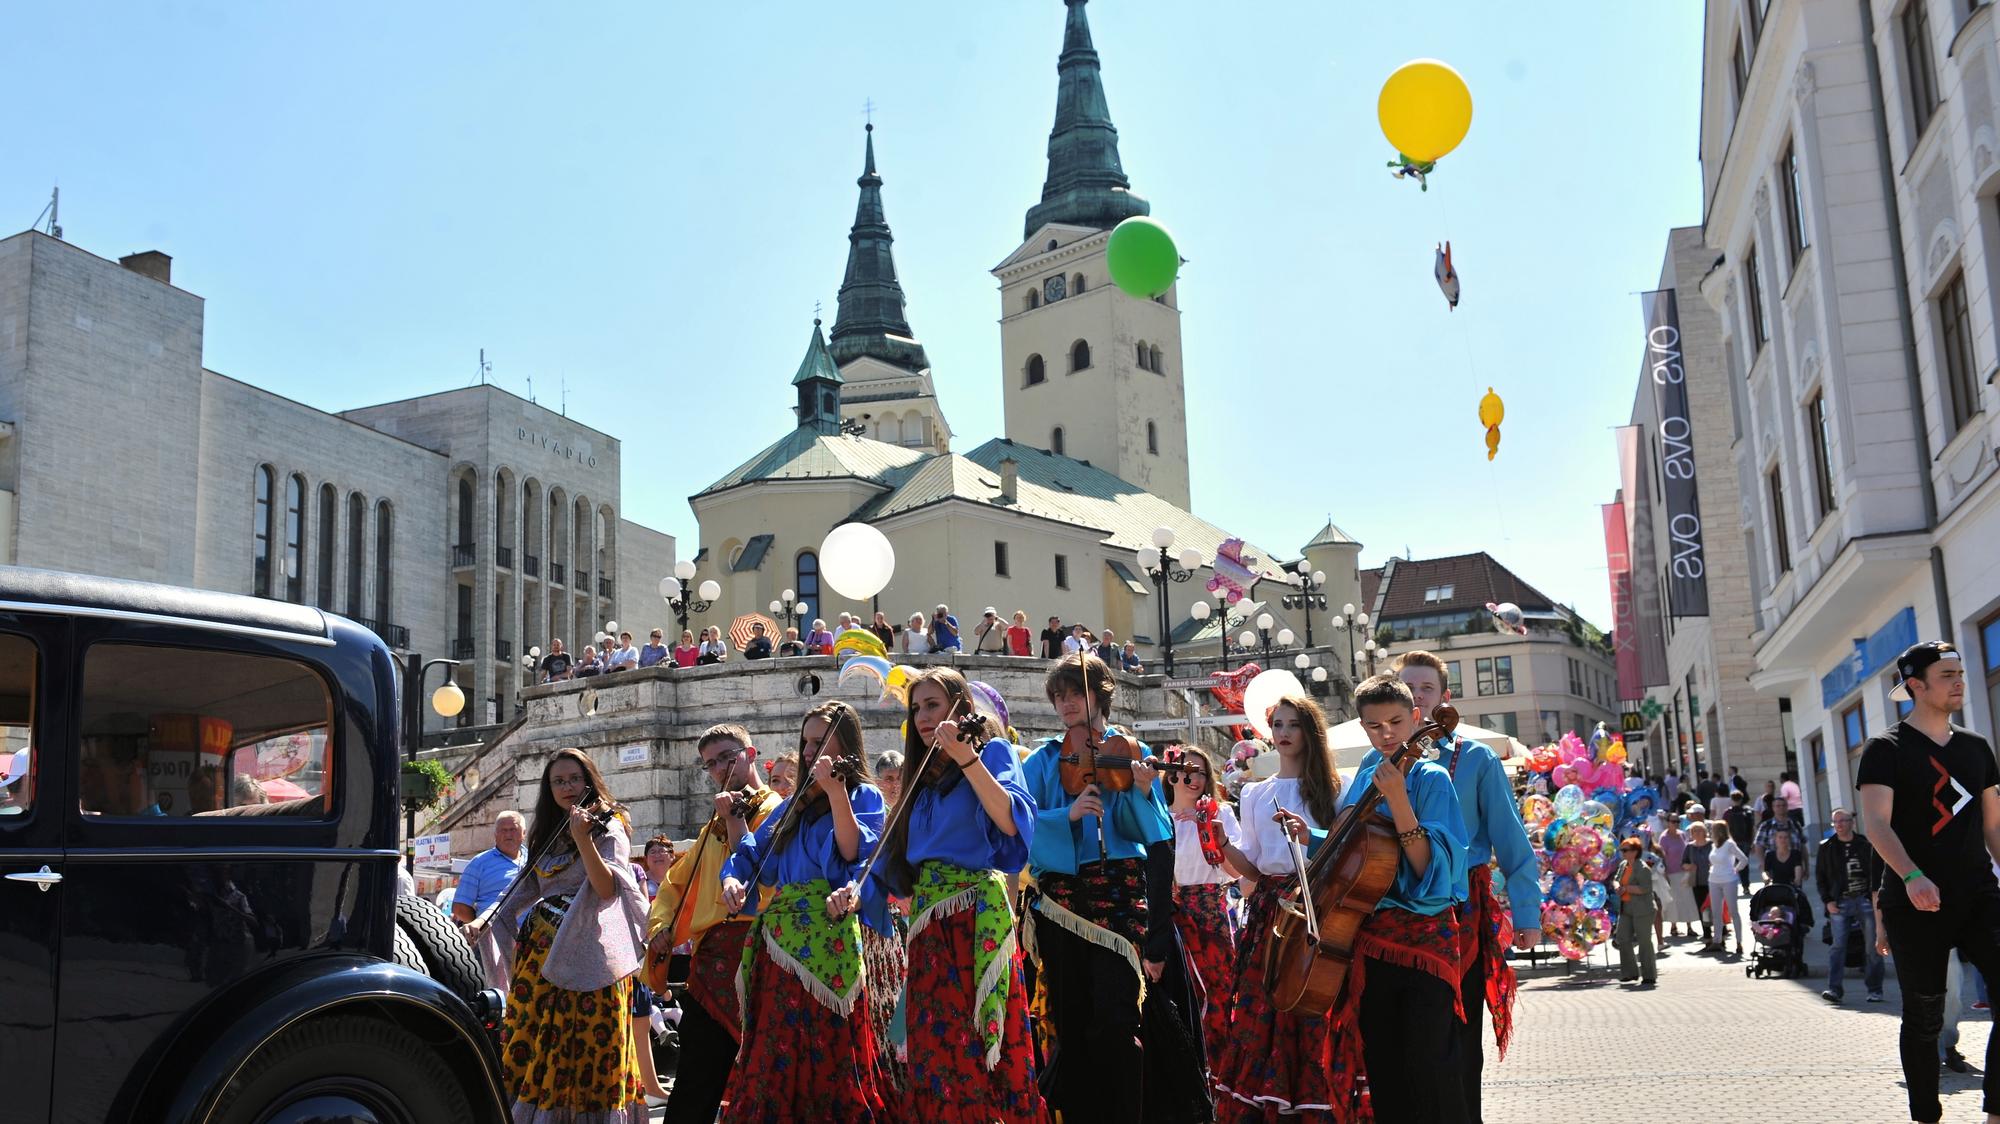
column 1712, row 1045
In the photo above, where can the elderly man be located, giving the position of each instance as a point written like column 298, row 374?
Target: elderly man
column 489, row 872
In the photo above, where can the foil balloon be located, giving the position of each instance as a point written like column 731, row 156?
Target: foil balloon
column 1498, row 880
column 1592, row 895
column 858, row 642
column 1537, row 810
column 1541, row 759
column 1596, row 813
column 1599, row 867
column 865, row 667
column 1507, row 615
column 1565, row 890
column 1569, row 801
column 896, row 685
column 1568, row 861
column 989, row 701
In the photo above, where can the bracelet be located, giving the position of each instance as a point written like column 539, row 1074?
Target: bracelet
column 1405, row 838
column 1915, row 873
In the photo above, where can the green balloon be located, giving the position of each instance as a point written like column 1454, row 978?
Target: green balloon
column 1142, row 257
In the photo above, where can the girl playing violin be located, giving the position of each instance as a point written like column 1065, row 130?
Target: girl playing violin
column 1205, row 829
column 967, row 826
column 1100, row 921
column 808, row 1047
column 1275, row 1062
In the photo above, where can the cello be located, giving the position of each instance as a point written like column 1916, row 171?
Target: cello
column 1312, row 937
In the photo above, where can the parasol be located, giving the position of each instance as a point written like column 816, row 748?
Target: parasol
column 278, row 790
column 739, row 629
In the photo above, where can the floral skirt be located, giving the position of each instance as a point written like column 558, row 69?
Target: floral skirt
column 887, row 965
column 1209, row 934
column 1271, row 1063
column 800, row 1060
column 948, row 1082
column 568, row 1055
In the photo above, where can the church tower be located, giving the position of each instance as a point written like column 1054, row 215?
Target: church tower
column 818, row 384
column 888, row 376
column 1089, row 372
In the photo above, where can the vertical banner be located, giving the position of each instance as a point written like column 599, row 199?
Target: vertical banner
column 1625, row 626
column 1649, row 634
column 1687, row 563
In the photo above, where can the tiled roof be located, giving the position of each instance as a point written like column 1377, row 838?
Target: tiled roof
column 1371, row 584
column 1331, row 535
column 805, row 454
column 1474, row 580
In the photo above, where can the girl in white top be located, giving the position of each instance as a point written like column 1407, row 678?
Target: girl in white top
column 1273, row 1060
column 1726, row 865
column 1205, row 830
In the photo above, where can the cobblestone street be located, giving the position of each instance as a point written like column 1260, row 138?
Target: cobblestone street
column 1712, row 1045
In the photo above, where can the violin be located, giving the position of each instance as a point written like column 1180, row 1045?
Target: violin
column 742, row 801
column 1312, row 937
column 940, row 771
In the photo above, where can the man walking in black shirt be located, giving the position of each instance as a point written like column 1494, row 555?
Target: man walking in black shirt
column 1930, row 792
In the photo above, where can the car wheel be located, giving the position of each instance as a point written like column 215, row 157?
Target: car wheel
column 407, row 954
column 446, row 957
column 349, row 1068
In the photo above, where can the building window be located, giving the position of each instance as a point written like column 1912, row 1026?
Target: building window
column 1853, row 727
column 1062, row 571
column 357, row 550
column 1793, row 185
column 503, row 543
column 1034, row 298
column 1753, row 286
column 1503, row 675
column 1962, row 388
column 1503, row 723
column 384, row 551
column 329, row 520
column 1451, row 679
column 1989, row 645
column 1037, row 371
column 260, row 526
column 1153, row 438
column 1159, row 361
column 1575, row 676
column 1822, row 442
column 464, row 631
column 1079, row 356
column 1757, row 9
column 1439, row 593
column 808, row 584
column 1485, row 682
column 1780, row 537
column 1000, row 560
column 464, row 511
column 1145, row 358
column 295, row 538
column 1916, row 25
column 1056, row 441
column 1739, row 69
column 1076, row 284
column 1052, row 246
column 1552, row 721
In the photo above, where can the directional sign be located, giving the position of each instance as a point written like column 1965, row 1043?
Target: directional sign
column 1158, row 726
column 1222, row 720
column 1189, row 681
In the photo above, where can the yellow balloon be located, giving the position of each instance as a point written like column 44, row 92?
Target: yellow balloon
column 1425, row 109
column 1492, row 411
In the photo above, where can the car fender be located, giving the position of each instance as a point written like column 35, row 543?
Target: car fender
column 229, row 1031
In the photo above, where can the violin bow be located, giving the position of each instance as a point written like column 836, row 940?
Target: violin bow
column 1090, row 732
column 903, row 806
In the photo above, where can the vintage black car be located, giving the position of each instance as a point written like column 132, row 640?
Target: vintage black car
column 199, row 917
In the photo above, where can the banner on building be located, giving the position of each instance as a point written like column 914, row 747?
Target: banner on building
column 1649, row 633
column 1624, row 619
column 1687, row 561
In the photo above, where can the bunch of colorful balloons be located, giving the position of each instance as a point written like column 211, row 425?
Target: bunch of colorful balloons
column 1573, row 837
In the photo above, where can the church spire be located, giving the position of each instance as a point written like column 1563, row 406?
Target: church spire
column 1086, row 185
column 818, row 383
column 870, row 316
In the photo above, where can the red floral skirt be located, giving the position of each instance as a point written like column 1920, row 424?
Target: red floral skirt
column 801, row 1061
column 947, row 1081
column 1206, row 929
column 1271, row 1063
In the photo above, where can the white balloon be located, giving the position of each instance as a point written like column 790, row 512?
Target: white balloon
column 857, row 561
column 1263, row 693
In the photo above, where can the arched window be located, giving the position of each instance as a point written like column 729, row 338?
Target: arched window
column 329, row 522
column 1037, row 372
column 1076, row 284
column 1052, row 245
column 808, row 584
column 1145, row 357
column 501, row 539
column 357, row 551
column 1034, row 298
column 1079, row 356
column 464, row 511
column 260, row 527
column 1159, row 365
column 295, row 539
column 384, row 550
column 1056, row 441
column 1152, row 438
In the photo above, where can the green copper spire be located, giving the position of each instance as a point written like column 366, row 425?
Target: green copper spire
column 818, row 383
column 870, row 317
column 1086, row 184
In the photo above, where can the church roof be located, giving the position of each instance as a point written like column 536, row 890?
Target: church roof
column 870, row 320
column 1331, row 535
column 817, row 364
column 805, row 454
column 1086, row 184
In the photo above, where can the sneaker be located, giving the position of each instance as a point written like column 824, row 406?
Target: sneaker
column 1874, row 997
column 1830, row 995
column 1981, row 1005
column 1955, row 1061
column 1646, row 985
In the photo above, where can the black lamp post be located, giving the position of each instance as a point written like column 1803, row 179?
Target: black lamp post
column 789, row 610
column 1306, row 583
column 680, row 599
column 1163, row 568
column 447, row 701
column 1350, row 622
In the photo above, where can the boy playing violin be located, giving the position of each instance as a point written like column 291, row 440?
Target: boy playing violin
column 1120, row 1035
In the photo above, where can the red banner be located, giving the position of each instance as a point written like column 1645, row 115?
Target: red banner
column 1625, row 618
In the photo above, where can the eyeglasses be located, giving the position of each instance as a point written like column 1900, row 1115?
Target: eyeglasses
column 721, row 760
column 568, row 782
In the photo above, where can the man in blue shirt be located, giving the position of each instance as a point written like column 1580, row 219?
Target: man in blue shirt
column 944, row 630
column 1493, row 832
column 488, row 874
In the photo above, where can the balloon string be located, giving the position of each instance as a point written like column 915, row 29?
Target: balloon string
column 1472, row 371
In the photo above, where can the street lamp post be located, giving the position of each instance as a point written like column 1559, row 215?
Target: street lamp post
column 674, row 588
column 447, row 701
column 1163, row 568
column 1350, row 622
column 1201, row 612
column 1315, row 677
column 1306, row 583
column 788, row 609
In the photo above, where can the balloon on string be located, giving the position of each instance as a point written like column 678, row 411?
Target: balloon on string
column 1568, row 801
column 1425, row 109
column 865, row 667
column 1537, row 810
column 1565, row 889
column 1596, row 813
column 856, row 560
column 858, row 642
column 1264, row 692
column 1142, row 257
column 1598, row 868
column 1592, row 895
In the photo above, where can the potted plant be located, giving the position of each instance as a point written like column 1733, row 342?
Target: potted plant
column 426, row 783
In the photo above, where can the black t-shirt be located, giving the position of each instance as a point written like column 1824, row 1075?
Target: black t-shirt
column 1937, row 815
column 555, row 663
column 1052, row 639
column 1787, row 870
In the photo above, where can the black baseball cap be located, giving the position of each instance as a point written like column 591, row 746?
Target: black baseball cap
column 1917, row 659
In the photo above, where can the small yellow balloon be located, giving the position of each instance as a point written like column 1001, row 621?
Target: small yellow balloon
column 1492, row 442
column 1492, row 411
column 1425, row 109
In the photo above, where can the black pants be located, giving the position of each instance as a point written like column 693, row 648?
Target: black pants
column 1471, row 1034
column 708, row 1053
column 1920, row 944
column 1409, row 1038
column 1094, row 1004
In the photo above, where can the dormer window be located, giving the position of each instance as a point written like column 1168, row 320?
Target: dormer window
column 1052, row 246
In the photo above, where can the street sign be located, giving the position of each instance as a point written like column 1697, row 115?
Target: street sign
column 1221, row 720
column 1632, row 722
column 1158, row 726
column 1189, row 681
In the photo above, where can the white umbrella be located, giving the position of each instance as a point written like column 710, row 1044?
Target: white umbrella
column 1350, row 742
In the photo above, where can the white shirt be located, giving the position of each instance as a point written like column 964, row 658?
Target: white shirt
column 1725, row 862
column 628, row 656
column 1264, row 842
column 915, row 643
column 1190, row 867
column 1071, row 645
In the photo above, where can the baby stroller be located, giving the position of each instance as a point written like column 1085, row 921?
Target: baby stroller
column 1780, row 917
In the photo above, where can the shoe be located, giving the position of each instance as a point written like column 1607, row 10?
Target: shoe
column 1628, row 979
column 1955, row 1061
column 1647, row 985
column 1981, row 1005
column 1874, row 997
column 1830, row 996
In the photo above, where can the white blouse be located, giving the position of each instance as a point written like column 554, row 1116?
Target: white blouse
column 1264, row 842
column 1726, row 862
column 1190, row 867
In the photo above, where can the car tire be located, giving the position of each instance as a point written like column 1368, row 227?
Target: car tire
column 328, row 1067
column 407, row 954
column 445, row 956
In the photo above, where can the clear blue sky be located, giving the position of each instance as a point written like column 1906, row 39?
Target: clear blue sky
column 646, row 200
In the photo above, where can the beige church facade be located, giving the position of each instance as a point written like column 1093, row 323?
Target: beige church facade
column 1050, row 518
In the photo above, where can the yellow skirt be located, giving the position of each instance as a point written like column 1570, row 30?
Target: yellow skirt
column 568, row 1054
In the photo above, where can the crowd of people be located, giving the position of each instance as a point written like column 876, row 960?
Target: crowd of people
column 966, row 929
column 920, row 635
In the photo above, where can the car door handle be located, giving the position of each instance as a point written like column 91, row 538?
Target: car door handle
column 45, row 878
